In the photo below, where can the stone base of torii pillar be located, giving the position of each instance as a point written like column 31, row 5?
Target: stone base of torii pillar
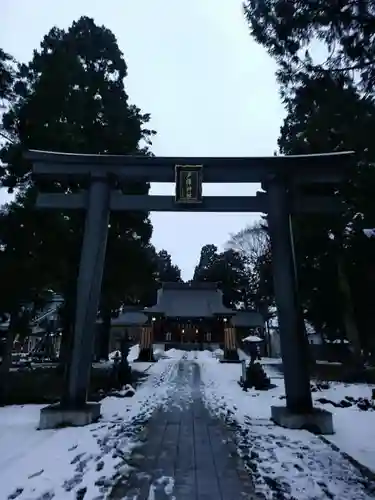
column 58, row 415
column 317, row 420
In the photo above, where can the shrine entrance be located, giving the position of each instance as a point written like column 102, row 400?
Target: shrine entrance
column 187, row 333
column 184, row 333
column 189, row 313
column 291, row 185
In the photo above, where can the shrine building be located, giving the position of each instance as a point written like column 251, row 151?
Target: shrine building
column 191, row 314
column 186, row 316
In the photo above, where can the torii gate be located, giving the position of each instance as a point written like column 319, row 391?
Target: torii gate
column 282, row 177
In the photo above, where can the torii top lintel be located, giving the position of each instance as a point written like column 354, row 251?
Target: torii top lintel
column 332, row 166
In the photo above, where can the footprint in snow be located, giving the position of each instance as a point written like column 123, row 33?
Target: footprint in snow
column 82, row 464
column 99, row 466
column 36, row 474
column 15, row 494
column 48, row 495
column 69, row 484
column 77, row 458
column 80, row 494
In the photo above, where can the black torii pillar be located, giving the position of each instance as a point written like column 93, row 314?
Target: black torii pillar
column 74, row 408
column 299, row 412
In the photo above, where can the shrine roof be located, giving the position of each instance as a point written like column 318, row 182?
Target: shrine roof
column 132, row 317
column 184, row 300
column 247, row 319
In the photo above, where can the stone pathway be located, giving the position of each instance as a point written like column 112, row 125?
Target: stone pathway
column 187, row 454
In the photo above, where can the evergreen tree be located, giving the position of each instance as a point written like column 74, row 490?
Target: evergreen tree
column 6, row 76
column 161, row 270
column 345, row 29
column 166, row 270
column 328, row 114
column 329, row 108
column 23, row 279
column 228, row 269
column 208, row 256
column 7, row 81
column 71, row 98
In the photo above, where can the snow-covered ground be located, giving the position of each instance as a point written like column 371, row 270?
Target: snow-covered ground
column 354, row 429
column 292, row 457
column 41, row 465
column 56, row 464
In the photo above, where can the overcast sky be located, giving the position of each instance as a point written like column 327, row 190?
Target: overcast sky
column 210, row 89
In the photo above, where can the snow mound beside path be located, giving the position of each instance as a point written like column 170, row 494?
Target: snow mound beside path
column 176, row 354
column 287, row 464
column 71, row 463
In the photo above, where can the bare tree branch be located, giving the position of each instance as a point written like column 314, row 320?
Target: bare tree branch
column 253, row 242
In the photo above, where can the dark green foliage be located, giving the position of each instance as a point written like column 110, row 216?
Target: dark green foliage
column 329, row 107
column 6, row 76
column 345, row 29
column 328, row 114
column 166, row 270
column 25, row 261
column 227, row 269
column 163, row 270
column 208, row 256
column 44, row 385
column 71, row 98
column 131, row 284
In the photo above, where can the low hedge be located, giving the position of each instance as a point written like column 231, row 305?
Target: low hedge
column 43, row 385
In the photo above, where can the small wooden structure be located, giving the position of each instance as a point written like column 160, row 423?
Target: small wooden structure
column 128, row 325
column 248, row 322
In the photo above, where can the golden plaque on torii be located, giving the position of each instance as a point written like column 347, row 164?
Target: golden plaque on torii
column 188, row 179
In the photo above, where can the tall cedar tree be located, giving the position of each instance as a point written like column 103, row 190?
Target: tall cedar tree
column 328, row 114
column 71, row 98
column 330, row 108
column 164, row 271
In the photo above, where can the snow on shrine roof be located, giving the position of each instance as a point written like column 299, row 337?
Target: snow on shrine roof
column 129, row 318
column 185, row 300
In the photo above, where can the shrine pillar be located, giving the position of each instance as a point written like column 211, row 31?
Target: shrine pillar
column 299, row 412
column 73, row 408
column 230, row 345
column 291, row 323
column 146, row 352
